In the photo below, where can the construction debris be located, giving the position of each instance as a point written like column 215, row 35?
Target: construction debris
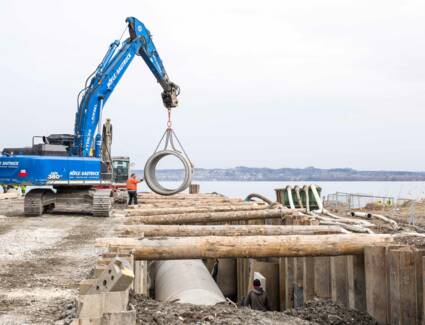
column 151, row 311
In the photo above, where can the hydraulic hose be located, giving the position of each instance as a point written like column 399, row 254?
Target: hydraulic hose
column 251, row 196
column 150, row 172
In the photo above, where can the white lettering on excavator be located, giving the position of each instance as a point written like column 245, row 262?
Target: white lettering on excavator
column 84, row 173
column 88, row 139
column 9, row 164
column 53, row 176
column 118, row 71
column 93, row 115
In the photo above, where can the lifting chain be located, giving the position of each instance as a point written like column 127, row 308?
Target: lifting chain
column 172, row 147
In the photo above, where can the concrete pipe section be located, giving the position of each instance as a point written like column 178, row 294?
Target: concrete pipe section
column 185, row 281
column 150, row 172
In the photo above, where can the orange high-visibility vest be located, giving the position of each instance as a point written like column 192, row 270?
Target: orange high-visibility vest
column 132, row 184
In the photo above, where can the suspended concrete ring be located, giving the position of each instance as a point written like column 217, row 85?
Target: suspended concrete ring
column 150, row 176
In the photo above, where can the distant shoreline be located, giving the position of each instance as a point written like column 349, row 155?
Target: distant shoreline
column 310, row 174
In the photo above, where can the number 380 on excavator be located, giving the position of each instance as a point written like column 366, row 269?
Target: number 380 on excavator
column 78, row 169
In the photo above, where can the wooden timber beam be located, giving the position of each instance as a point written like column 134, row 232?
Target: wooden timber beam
column 182, row 203
column 223, row 230
column 206, row 217
column 190, row 199
column 246, row 246
column 194, row 209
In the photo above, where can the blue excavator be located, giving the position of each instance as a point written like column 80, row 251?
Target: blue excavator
column 77, row 169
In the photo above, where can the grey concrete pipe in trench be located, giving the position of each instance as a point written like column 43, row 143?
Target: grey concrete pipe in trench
column 185, row 281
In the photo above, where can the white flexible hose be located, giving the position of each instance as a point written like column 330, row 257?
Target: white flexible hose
column 307, row 198
column 291, row 201
column 317, row 198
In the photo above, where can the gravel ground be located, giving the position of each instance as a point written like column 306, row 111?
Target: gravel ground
column 327, row 312
column 318, row 311
column 150, row 311
column 42, row 261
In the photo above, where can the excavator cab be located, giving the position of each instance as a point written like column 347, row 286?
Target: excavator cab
column 120, row 170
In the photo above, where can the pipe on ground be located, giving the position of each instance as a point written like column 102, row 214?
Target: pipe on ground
column 185, row 281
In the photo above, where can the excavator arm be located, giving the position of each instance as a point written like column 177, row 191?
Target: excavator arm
column 102, row 82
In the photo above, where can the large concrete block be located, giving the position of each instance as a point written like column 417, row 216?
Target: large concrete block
column 85, row 285
column 118, row 276
column 125, row 317
column 121, row 318
column 95, row 305
column 99, row 269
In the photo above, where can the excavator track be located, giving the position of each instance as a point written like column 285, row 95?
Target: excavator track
column 121, row 197
column 38, row 201
column 102, row 203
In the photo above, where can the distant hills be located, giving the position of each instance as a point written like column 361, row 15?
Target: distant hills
column 289, row 174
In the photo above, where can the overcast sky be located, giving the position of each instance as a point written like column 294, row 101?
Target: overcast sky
column 264, row 83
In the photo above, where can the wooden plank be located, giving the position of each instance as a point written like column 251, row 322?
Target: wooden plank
column 289, row 282
column 356, row 283
column 282, row 282
column 322, row 277
column 298, row 282
column 377, row 281
column 242, row 269
column 226, row 277
column 141, row 277
column 308, row 280
column 339, row 280
column 406, row 294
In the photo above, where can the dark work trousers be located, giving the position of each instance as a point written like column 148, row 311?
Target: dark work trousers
column 132, row 197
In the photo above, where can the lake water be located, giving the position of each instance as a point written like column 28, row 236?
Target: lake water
column 408, row 190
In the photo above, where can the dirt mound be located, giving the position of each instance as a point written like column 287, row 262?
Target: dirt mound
column 327, row 312
column 150, row 311
column 417, row 241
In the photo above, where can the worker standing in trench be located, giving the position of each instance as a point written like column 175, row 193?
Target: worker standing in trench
column 132, row 189
column 257, row 297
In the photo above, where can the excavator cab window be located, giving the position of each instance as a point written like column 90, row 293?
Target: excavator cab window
column 120, row 169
